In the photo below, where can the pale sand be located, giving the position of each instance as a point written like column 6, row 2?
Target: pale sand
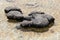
column 8, row 30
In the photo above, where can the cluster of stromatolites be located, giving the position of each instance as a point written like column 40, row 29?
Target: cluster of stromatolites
column 34, row 19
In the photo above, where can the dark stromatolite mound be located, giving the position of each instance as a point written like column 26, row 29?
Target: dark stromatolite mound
column 42, row 14
column 15, row 15
column 10, row 8
column 38, row 20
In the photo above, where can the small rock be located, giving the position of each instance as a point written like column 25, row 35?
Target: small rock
column 16, row 15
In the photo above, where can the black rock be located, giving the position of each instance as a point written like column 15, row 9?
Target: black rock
column 15, row 15
column 42, row 14
column 8, row 9
column 38, row 20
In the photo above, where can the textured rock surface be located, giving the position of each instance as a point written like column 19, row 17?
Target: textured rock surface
column 39, row 20
column 9, row 32
column 16, row 15
column 37, row 15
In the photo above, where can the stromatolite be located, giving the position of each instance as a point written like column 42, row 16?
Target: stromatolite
column 14, row 13
column 38, row 20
